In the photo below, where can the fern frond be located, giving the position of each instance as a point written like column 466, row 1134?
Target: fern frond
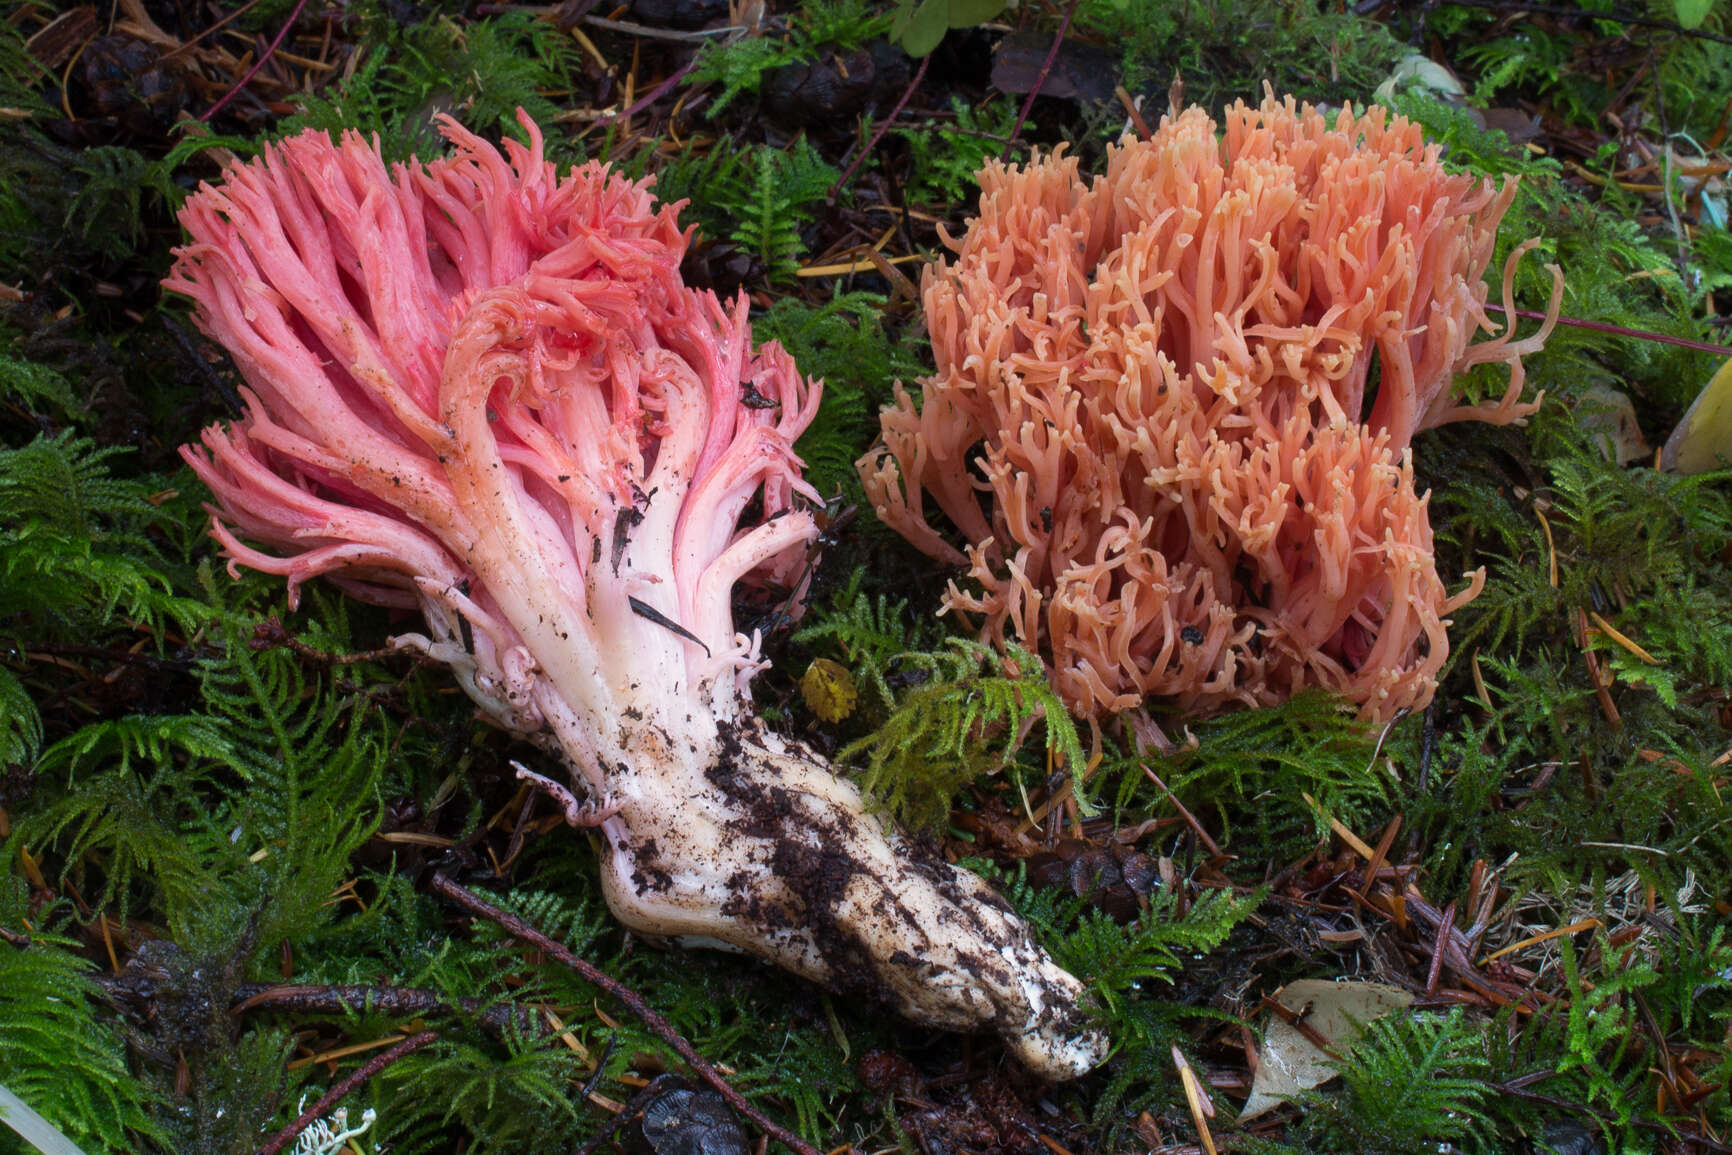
column 73, row 547
column 1306, row 745
column 59, row 1058
column 124, row 785
column 784, row 185
column 309, row 764
column 869, row 634
column 28, row 382
column 108, row 210
column 509, row 1103
column 1114, row 959
column 1410, row 1083
column 482, row 71
column 267, row 792
column 946, row 155
column 20, row 724
column 739, row 67
column 968, row 718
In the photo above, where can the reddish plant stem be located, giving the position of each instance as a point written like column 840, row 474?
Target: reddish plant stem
column 445, row 888
column 282, row 34
column 1040, row 79
column 354, row 1079
column 652, row 96
column 1621, row 331
column 883, row 126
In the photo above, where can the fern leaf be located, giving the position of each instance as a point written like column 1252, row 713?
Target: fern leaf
column 966, row 720
column 20, row 724
column 58, row 1057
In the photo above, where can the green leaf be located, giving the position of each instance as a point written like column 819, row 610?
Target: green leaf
column 925, row 28
column 968, row 13
column 1691, row 13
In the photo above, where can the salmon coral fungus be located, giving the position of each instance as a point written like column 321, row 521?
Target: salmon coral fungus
column 480, row 390
column 1173, row 408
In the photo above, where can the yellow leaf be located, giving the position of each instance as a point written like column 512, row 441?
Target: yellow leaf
column 828, row 689
column 1703, row 439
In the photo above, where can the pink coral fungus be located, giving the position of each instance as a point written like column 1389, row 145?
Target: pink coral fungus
column 1173, row 406
column 480, row 390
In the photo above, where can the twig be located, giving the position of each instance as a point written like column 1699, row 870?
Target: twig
column 1621, row 331
column 1190, row 819
column 633, row 1106
column 883, row 126
column 1039, row 79
column 1296, row 1020
column 271, row 633
column 624, row 27
column 188, row 45
column 1679, row 234
column 634, row 1002
column 627, row 28
column 1196, row 1099
column 653, row 95
column 1445, row 932
column 123, row 657
column 1586, row 13
column 202, row 364
column 497, row 1018
column 1132, row 111
column 349, row 1082
column 270, row 50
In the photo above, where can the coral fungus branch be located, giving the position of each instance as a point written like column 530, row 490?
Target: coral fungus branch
column 1190, row 386
column 479, row 389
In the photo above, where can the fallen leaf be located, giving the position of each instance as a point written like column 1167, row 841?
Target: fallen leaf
column 1610, row 417
column 1703, row 439
column 1418, row 72
column 1288, row 1062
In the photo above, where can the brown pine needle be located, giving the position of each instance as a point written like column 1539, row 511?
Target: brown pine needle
column 1359, row 845
column 1531, row 940
column 1199, row 1103
column 344, row 1052
column 1611, row 632
column 1551, row 549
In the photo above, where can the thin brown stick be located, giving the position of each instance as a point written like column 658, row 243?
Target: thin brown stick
column 1296, row 1020
column 445, row 888
column 1132, row 111
column 1039, row 79
column 1445, row 928
column 257, row 64
column 188, row 45
column 497, row 1018
column 271, row 633
column 883, row 126
column 335, row 1095
column 1379, row 855
column 1190, row 819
